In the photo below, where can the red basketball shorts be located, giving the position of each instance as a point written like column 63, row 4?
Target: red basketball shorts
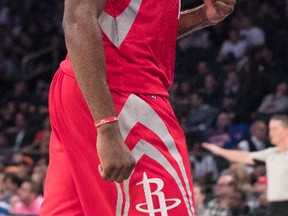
column 161, row 183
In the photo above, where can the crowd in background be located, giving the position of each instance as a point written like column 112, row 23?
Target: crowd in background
column 229, row 79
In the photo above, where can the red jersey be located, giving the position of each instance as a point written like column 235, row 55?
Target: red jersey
column 139, row 39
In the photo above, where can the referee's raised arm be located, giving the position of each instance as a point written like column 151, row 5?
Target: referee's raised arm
column 231, row 155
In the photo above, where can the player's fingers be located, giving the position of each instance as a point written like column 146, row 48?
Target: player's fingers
column 125, row 172
column 105, row 172
column 101, row 170
column 116, row 173
column 208, row 2
column 223, row 8
column 120, row 177
column 227, row 2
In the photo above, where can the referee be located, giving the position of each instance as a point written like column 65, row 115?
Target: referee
column 276, row 159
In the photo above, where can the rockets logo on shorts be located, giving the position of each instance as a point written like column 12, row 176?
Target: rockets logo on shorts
column 136, row 110
column 148, row 207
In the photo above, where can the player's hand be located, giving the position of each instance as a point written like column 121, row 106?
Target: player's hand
column 116, row 160
column 217, row 10
column 212, row 147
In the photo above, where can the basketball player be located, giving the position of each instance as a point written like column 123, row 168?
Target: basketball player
column 119, row 66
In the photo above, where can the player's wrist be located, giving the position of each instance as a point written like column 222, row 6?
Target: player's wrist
column 104, row 121
column 108, row 129
column 203, row 13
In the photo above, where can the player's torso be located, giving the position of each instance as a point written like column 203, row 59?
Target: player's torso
column 139, row 38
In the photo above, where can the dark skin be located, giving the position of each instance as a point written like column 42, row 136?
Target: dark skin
column 85, row 47
column 211, row 12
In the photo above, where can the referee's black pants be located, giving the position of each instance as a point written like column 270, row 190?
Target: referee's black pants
column 278, row 209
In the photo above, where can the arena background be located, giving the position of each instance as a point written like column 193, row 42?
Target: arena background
column 216, row 95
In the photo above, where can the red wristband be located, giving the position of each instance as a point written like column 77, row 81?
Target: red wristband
column 105, row 121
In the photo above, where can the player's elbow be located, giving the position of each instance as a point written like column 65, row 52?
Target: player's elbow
column 70, row 27
column 78, row 20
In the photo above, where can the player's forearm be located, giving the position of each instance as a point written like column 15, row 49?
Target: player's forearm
column 192, row 20
column 236, row 156
column 85, row 47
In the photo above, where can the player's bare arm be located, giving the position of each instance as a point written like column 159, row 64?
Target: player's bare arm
column 211, row 12
column 85, row 47
column 231, row 155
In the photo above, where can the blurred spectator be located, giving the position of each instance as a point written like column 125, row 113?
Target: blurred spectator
column 22, row 163
column 234, row 46
column 8, row 114
column 218, row 133
column 211, row 91
column 19, row 93
column 20, row 135
column 196, row 46
column 258, row 138
column 266, row 63
column 2, row 175
column 11, row 184
column 275, row 102
column 13, row 201
column 258, row 170
column 237, row 133
column 240, row 177
column 4, row 144
column 268, row 18
column 237, row 204
column 198, row 39
column 179, row 98
column 4, row 208
column 40, row 143
column 254, row 35
column 226, row 136
column 30, row 200
column 231, row 83
column 199, row 195
column 38, row 174
column 202, row 70
column 200, row 115
column 256, row 82
column 260, row 201
column 219, row 206
column 229, row 104
column 203, row 165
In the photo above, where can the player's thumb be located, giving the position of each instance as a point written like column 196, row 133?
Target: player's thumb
column 101, row 170
column 208, row 2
